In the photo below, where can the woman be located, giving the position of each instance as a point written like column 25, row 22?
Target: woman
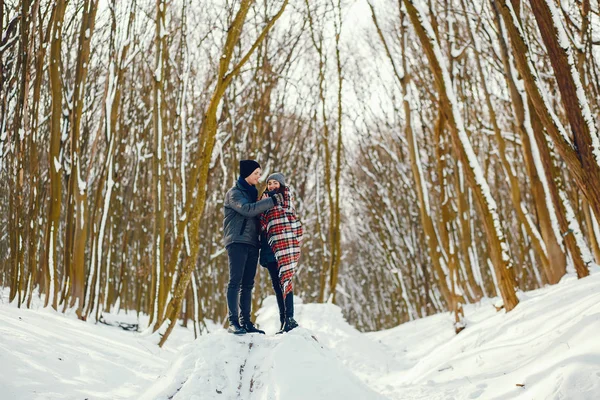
column 281, row 237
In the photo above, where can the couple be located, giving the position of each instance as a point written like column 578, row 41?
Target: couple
column 273, row 219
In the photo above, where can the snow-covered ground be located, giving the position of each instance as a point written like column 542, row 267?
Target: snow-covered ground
column 546, row 348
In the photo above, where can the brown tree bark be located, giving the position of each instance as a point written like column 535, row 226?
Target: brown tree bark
column 496, row 241
column 583, row 155
column 592, row 229
column 76, row 234
column 37, row 264
column 523, row 214
column 336, row 211
column 55, row 168
column 546, row 208
column 21, row 130
column 328, row 248
column 158, row 171
column 101, row 211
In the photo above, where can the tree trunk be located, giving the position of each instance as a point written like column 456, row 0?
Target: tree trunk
column 158, row 172
column 335, row 230
column 592, row 230
column 35, row 198
column 329, row 248
column 55, row 168
column 76, row 234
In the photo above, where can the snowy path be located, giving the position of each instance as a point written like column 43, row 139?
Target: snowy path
column 547, row 348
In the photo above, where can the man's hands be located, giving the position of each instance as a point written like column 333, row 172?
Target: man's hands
column 278, row 198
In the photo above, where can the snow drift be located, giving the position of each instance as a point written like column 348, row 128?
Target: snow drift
column 546, row 348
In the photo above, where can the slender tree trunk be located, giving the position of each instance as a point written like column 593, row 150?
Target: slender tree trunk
column 475, row 282
column 329, row 253
column 158, row 172
column 21, row 133
column 76, row 234
column 444, row 221
column 592, row 230
column 111, row 103
column 320, row 234
column 35, row 198
column 54, row 158
column 335, row 230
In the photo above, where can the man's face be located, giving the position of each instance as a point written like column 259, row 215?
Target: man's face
column 254, row 176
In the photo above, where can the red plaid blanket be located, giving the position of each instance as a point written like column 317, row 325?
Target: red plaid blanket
column 284, row 233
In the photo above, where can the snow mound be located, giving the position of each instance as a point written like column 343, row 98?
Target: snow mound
column 253, row 366
column 546, row 348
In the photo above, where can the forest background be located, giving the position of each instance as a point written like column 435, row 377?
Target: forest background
column 440, row 151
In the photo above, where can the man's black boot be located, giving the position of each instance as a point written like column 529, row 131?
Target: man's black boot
column 250, row 328
column 245, row 304
column 236, row 329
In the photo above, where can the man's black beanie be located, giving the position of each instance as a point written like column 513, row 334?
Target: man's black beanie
column 247, row 167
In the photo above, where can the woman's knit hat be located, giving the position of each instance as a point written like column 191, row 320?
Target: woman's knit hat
column 277, row 176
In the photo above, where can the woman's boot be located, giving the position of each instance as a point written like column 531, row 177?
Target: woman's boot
column 290, row 322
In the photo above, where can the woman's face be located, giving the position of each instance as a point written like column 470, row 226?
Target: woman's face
column 272, row 184
column 254, row 176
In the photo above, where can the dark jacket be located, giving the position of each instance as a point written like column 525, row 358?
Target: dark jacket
column 266, row 253
column 240, row 223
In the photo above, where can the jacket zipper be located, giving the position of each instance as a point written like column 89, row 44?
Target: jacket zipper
column 243, row 227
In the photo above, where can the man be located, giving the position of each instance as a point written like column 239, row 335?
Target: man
column 241, row 236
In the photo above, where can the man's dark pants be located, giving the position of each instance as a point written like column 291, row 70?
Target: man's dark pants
column 243, row 259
